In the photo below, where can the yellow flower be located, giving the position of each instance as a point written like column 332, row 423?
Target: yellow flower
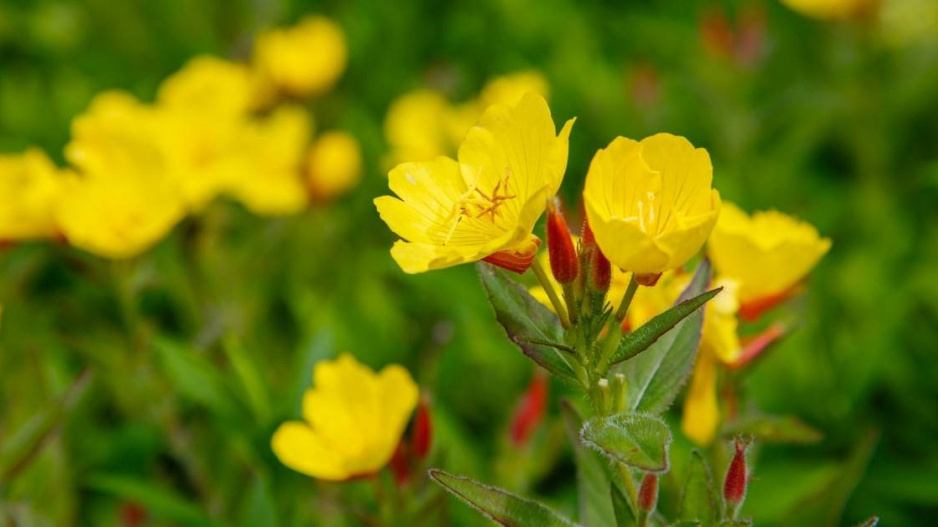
column 832, row 9
column 415, row 127
column 650, row 203
column 334, row 165
column 719, row 343
column 306, row 59
column 209, row 85
column 508, row 89
column 767, row 253
column 123, row 199
column 354, row 419
column 29, row 187
column 485, row 205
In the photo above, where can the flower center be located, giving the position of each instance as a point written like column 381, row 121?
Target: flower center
column 475, row 203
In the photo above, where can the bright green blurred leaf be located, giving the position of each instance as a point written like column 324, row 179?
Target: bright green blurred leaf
column 595, row 507
column 698, row 501
column 637, row 440
column 774, row 429
column 499, row 505
column 195, row 377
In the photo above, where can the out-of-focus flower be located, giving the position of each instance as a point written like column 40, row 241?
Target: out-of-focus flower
column 123, row 199
column 650, row 204
column 353, row 420
column 509, row 89
column 212, row 86
column 485, row 205
column 833, row 9
column 333, row 166
column 767, row 253
column 29, row 187
column 719, row 343
column 303, row 60
column 415, row 127
column 264, row 168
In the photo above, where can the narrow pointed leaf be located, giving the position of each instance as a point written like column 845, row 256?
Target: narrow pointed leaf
column 655, row 376
column 595, row 508
column 774, row 429
column 637, row 440
column 498, row 505
column 698, row 502
column 528, row 323
column 649, row 332
column 624, row 516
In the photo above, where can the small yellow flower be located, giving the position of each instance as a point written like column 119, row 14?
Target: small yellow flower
column 415, row 127
column 334, row 165
column 485, row 205
column 29, row 187
column 832, row 9
column 212, row 86
column 303, row 60
column 508, row 89
column 353, row 420
column 650, row 203
column 767, row 253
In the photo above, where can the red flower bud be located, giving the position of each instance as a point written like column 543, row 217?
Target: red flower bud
column 648, row 493
column 600, row 271
column 531, row 410
column 400, row 464
column 586, row 236
column 423, row 430
column 563, row 259
column 132, row 515
column 734, row 486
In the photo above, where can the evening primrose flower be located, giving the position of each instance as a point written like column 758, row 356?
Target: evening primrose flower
column 483, row 206
column 334, row 165
column 415, row 127
column 29, row 187
column 650, row 203
column 209, row 85
column 303, row 60
column 767, row 253
column 353, row 419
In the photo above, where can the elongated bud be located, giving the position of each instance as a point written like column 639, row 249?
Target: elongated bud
column 531, row 410
column 600, row 271
column 423, row 430
column 400, row 464
column 589, row 240
column 648, row 493
column 563, row 258
column 734, row 486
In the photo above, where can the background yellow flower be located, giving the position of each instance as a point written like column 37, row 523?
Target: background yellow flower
column 29, row 187
column 353, row 420
column 650, row 203
column 334, row 165
column 306, row 59
column 767, row 253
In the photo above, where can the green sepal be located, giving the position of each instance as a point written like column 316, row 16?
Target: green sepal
column 636, row 440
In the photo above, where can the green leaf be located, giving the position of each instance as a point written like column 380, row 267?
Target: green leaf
column 158, row 501
column 736, row 523
column 774, row 429
column 528, row 323
column 195, row 377
column 595, row 508
column 656, row 376
column 252, row 384
column 623, row 513
column 649, row 332
column 872, row 522
column 698, row 503
column 499, row 505
column 636, row 440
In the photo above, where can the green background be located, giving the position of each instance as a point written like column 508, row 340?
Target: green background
column 159, row 381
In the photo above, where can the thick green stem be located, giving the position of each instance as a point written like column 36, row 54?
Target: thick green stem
column 629, row 487
column 551, row 293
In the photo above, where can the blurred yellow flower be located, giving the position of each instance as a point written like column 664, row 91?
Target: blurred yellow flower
column 209, row 85
column 303, row 60
column 334, row 165
column 353, row 420
column 415, row 127
column 508, row 89
column 29, row 187
column 650, row 203
column 832, row 9
column 485, row 205
column 767, row 253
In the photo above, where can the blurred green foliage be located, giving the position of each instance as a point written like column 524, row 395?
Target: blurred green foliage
column 158, row 382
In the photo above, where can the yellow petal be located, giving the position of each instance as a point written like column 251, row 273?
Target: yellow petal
column 306, row 59
column 701, row 412
column 334, row 165
column 300, row 448
column 29, row 188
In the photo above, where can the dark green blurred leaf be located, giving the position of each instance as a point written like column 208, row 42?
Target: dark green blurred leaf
column 698, row 502
column 637, row 440
column 656, row 376
column 774, row 429
column 498, row 505
column 530, row 325
column 258, row 506
column 595, row 508
column 159, row 502
column 736, row 523
column 196, row 378
column 251, row 383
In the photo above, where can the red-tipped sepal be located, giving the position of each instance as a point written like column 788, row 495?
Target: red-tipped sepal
column 517, row 260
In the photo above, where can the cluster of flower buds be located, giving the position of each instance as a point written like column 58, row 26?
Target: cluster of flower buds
column 409, row 455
